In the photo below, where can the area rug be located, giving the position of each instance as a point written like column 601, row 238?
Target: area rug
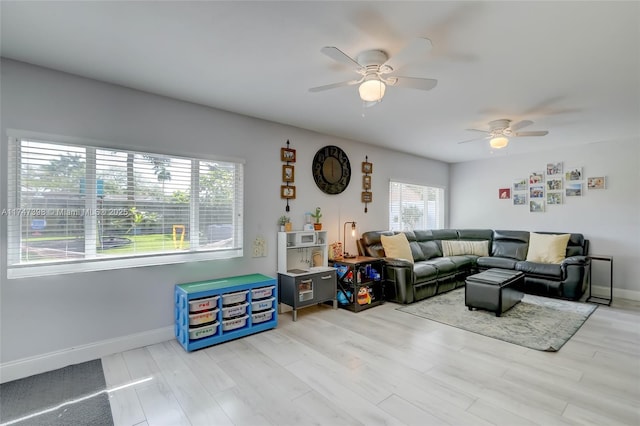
column 73, row 395
column 536, row 322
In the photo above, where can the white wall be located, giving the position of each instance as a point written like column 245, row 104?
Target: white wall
column 609, row 218
column 44, row 318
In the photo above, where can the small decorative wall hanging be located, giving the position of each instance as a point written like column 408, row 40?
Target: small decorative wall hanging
column 288, row 191
column 367, row 195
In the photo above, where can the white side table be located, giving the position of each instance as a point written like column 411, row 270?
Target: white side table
column 602, row 300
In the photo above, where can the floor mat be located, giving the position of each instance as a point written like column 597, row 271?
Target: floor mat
column 73, row 395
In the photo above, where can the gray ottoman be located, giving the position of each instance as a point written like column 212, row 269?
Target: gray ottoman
column 496, row 290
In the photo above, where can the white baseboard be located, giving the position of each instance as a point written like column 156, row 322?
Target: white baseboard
column 26, row 367
column 618, row 293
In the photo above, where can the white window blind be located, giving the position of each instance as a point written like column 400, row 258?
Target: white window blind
column 415, row 207
column 71, row 204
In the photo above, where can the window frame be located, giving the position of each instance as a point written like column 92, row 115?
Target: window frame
column 19, row 269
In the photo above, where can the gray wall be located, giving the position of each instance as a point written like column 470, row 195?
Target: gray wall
column 39, row 316
column 609, row 218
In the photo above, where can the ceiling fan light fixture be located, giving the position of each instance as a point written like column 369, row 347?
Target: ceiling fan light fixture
column 372, row 89
column 499, row 142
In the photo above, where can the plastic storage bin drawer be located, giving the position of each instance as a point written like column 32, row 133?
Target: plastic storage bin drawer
column 232, row 324
column 261, row 305
column 204, row 331
column 203, row 317
column 234, row 310
column 262, row 316
column 197, row 305
column 233, row 298
column 261, row 293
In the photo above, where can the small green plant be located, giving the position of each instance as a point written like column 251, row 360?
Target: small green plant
column 283, row 220
column 317, row 215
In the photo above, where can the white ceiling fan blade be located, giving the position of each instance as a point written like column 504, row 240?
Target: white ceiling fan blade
column 520, row 124
column 471, row 140
column 339, row 56
column 334, row 85
column 415, row 50
column 413, row 82
column 532, row 133
column 478, row 130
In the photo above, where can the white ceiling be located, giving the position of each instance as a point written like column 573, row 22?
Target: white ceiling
column 571, row 67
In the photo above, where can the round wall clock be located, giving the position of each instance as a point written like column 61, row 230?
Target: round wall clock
column 331, row 169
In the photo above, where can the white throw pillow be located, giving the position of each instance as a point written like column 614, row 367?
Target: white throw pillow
column 547, row 248
column 462, row 247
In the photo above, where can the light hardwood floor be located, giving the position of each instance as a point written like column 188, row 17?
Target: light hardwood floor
column 382, row 366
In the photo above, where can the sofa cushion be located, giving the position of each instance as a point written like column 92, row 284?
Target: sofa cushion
column 463, row 263
column 497, row 262
column 511, row 244
column 444, row 265
column 424, row 272
column 416, row 251
column 459, row 248
column 546, row 248
column 430, row 249
column 397, row 246
column 371, row 243
column 550, row 270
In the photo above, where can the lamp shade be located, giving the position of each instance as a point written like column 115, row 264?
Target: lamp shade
column 499, row 142
column 372, row 90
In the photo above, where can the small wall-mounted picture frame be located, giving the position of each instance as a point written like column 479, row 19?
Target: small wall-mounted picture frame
column 554, row 169
column 573, row 190
column 598, row 182
column 366, row 182
column 504, row 193
column 287, row 191
column 520, row 184
column 288, row 173
column 520, row 199
column 367, row 197
column 536, row 178
column 536, row 206
column 574, row 173
column 367, row 167
column 288, row 154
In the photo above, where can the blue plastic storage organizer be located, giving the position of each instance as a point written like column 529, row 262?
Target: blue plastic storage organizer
column 211, row 312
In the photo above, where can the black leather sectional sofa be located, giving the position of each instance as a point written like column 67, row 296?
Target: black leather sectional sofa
column 431, row 273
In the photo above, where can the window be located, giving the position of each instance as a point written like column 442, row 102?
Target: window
column 91, row 205
column 415, row 207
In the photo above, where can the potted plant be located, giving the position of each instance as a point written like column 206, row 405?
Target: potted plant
column 317, row 215
column 285, row 223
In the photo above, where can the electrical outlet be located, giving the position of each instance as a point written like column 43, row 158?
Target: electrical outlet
column 259, row 247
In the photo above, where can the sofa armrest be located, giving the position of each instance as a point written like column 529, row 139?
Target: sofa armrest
column 576, row 273
column 398, row 274
column 575, row 260
column 397, row 262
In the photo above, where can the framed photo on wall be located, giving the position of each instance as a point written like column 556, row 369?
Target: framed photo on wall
column 288, row 173
column 366, row 182
column 367, row 167
column 598, row 182
column 288, row 154
column 287, row 191
column 367, row 197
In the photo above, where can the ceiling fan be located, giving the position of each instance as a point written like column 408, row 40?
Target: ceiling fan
column 376, row 71
column 501, row 130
